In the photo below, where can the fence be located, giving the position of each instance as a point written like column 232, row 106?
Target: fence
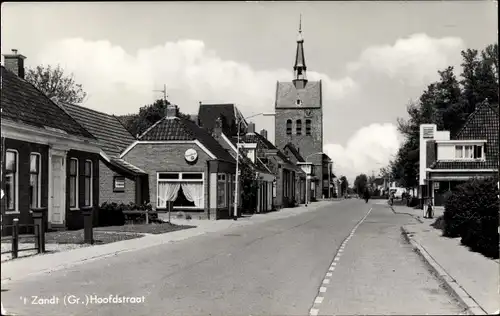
column 39, row 243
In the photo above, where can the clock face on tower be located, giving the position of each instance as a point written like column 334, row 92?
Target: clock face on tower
column 308, row 113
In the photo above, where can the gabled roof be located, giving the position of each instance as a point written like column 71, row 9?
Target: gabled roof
column 209, row 113
column 112, row 136
column 24, row 103
column 175, row 128
column 481, row 124
column 287, row 95
column 264, row 143
column 291, row 147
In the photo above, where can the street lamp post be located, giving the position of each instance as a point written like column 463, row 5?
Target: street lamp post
column 237, row 178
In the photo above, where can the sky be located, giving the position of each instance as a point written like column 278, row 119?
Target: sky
column 373, row 57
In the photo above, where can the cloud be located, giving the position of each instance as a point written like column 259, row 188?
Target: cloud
column 368, row 150
column 119, row 82
column 122, row 82
column 414, row 60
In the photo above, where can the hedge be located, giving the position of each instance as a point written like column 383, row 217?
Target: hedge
column 471, row 212
column 111, row 214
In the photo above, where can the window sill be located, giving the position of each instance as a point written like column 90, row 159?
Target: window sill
column 12, row 212
column 74, row 208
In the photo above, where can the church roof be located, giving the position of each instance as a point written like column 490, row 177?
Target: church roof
column 287, row 95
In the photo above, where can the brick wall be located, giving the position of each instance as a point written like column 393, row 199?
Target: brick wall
column 307, row 144
column 74, row 218
column 153, row 158
column 24, row 150
column 106, row 187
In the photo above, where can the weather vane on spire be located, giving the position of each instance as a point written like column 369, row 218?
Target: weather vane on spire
column 300, row 23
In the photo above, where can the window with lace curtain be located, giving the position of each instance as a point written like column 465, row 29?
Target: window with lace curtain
column 184, row 189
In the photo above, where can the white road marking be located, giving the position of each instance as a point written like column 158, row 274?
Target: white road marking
column 318, row 300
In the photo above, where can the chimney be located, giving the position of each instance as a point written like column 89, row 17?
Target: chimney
column 251, row 128
column 15, row 63
column 217, row 131
column 263, row 133
column 172, row 110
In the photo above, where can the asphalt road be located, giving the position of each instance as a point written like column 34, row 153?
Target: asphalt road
column 271, row 268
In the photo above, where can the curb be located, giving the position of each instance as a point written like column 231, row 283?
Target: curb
column 415, row 217
column 451, row 285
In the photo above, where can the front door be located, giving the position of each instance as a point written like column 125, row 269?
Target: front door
column 57, row 211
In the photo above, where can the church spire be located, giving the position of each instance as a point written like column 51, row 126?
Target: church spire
column 299, row 69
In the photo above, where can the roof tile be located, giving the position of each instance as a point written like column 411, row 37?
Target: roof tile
column 23, row 102
column 112, row 136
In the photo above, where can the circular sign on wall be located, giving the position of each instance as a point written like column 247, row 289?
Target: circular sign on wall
column 190, row 155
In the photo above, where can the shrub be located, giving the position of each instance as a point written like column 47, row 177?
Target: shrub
column 112, row 214
column 439, row 223
column 471, row 213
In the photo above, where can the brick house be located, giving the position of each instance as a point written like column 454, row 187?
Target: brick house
column 221, row 120
column 186, row 165
column 287, row 173
column 293, row 154
column 119, row 180
column 446, row 162
column 48, row 159
column 299, row 118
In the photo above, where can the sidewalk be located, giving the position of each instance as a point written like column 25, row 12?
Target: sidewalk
column 24, row 267
column 470, row 276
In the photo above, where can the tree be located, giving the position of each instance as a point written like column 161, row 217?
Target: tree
column 343, row 185
column 138, row 123
column 360, row 183
column 54, row 83
column 447, row 103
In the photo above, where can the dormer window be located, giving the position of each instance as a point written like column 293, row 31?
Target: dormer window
column 468, row 152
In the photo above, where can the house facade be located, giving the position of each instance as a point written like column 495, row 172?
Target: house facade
column 446, row 162
column 48, row 159
column 119, row 180
column 296, row 158
column 186, row 166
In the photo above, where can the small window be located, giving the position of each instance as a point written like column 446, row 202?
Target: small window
column 73, row 183
column 168, row 176
column 298, row 102
column 478, row 151
column 469, row 152
column 459, row 151
column 308, row 127
column 88, row 183
column 35, row 180
column 289, row 127
column 192, row 176
column 298, row 127
column 11, row 179
column 119, row 184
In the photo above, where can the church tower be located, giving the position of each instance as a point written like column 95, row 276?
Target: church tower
column 299, row 114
